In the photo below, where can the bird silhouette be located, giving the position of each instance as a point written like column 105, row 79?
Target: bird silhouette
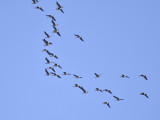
column 144, row 94
column 107, row 103
column 48, row 62
column 56, row 75
column 52, row 17
column 107, row 91
column 56, row 31
column 144, row 76
column 76, row 76
column 123, row 76
column 34, row 1
column 40, row 8
column 118, row 99
column 78, row 36
column 65, row 73
column 48, row 36
column 47, row 43
column 97, row 89
column 59, row 7
column 97, row 75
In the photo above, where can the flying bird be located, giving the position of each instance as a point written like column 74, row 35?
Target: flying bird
column 40, row 8
column 97, row 75
column 107, row 103
column 46, row 51
column 76, row 76
column 47, row 73
column 47, row 34
column 48, row 62
column 97, row 89
column 56, row 31
column 118, row 99
column 59, row 7
column 123, row 76
column 53, row 55
column 54, row 24
column 56, row 65
column 144, row 94
column 107, row 91
column 84, row 91
column 52, row 17
column 56, row 75
column 34, row 1
column 65, row 73
column 52, row 69
column 47, row 43
column 78, row 36
column 142, row 75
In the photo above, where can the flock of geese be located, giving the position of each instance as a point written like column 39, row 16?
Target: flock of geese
column 52, row 68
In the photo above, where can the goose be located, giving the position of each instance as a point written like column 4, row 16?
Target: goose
column 144, row 94
column 144, row 76
column 48, row 62
column 97, row 89
column 53, row 55
column 50, row 16
column 40, row 8
column 65, row 73
column 47, row 34
column 47, row 43
column 97, row 76
column 84, row 91
column 56, row 75
column 34, row 1
column 123, row 76
column 76, row 76
column 56, row 65
column 46, row 51
column 107, row 103
column 78, row 36
column 107, row 91
column 118, row 99
column 59, row 7
column 52, row 69
column 56, row 31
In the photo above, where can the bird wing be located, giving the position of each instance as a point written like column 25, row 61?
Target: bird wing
column 76, row 35
column 58, row 33
column 62, row 11
column 46, row 71
column 145, row 77
column 58, row 4
column 47, row 60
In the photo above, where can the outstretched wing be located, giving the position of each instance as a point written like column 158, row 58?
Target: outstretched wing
column 58, row 4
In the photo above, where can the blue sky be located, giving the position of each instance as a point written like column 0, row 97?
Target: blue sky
column 120, row 37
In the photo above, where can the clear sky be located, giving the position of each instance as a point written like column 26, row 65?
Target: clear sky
column 120, row 37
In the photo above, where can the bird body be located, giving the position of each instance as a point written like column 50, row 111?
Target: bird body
column 144, row 76
column 123, row 76
column 78, row 36
column 52, row 17
column 59, row 7
column 107, row 91
column 107, row 103
column 97, row 75
column 118, row 99
column 97, row 89
column 40, row 8
column 76, row 76
column 144, row 94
